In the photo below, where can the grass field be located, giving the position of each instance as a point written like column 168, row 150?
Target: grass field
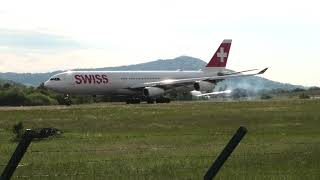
column 168, row 141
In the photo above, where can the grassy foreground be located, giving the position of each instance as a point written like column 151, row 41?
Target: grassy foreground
column 168, row 141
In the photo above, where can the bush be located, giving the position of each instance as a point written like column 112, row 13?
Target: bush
column 18, row 131
column 304, row 96
column 239, row 93
column 12, row 97
column 81, row 99
column 314, row 88
column 265, row 96
column 298, row 90
column 29, row 90
column 60, row 99
column 38, row 99
column 6, row 86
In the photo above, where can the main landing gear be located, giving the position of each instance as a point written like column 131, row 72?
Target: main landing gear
column 163, row 100
column 158, row 100
column 149, row 100
column 133, row 101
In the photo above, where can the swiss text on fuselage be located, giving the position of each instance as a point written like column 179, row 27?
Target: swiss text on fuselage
column 91, row 79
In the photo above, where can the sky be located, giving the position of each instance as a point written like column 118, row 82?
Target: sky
column 44, row 36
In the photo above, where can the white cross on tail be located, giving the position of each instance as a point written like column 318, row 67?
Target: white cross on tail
column 222, row 54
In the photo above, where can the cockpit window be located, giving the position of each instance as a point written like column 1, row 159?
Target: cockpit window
column 55, row 79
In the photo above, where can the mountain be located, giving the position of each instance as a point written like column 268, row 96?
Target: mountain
column 5, row 81
column 182, row 62
column 29, row 79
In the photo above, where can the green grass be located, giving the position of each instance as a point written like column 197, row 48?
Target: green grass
column 168, row 141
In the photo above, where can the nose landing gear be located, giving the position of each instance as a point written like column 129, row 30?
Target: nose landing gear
column 133, row 101
column 67, row 100
column 150, row 100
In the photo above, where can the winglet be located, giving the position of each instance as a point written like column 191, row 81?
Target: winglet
column 264, row 70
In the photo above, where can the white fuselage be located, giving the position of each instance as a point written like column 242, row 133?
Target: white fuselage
column 115, row 82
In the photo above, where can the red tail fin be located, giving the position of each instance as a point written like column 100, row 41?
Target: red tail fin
column 220, row 58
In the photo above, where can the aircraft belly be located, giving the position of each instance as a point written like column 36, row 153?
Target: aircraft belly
column 112, row 88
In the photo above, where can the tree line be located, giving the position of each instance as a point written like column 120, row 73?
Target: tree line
column 20, row 95
column 12, row 94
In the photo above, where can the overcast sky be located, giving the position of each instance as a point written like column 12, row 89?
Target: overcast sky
column 42, row 36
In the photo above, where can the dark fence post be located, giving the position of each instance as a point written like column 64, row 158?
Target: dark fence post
column 22, row 147
column 218, row 163
column 17, row 155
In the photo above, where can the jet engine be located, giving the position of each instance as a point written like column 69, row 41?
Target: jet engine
column 203, row 86
column 153, row 91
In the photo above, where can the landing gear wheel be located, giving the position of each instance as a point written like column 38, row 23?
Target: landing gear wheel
column 94, row 97
column 133, row 101
column 163, row 100
column 67, row 100
column 150, row 101
column 167, row 100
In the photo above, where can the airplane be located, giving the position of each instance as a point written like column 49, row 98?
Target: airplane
column 150, row 86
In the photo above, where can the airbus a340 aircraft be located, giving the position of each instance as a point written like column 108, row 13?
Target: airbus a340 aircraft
column 147, row 85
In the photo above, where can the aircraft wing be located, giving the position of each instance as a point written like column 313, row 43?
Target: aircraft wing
column 170, row 83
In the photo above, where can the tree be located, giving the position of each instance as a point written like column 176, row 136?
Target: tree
column 298, row 90
column 38, row 99
column 41, row 87
column 304, row 96
column 265, row 96
column 6, row 86
column 314, row 88
column 12, row 97
column 239, row 93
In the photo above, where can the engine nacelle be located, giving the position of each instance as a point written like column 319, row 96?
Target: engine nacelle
column 153, row 91
column 203, row 86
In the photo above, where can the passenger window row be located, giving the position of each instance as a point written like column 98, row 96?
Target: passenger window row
column 140, row 78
